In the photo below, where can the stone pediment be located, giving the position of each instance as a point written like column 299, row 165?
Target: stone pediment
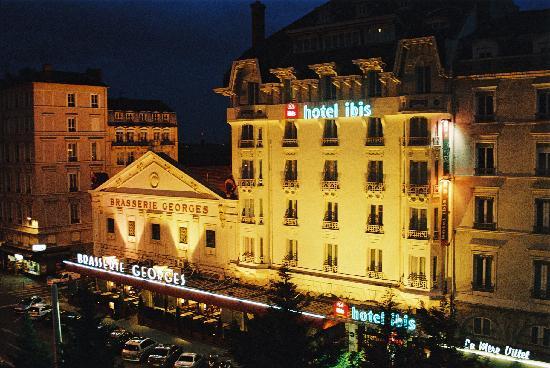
column 152, row 174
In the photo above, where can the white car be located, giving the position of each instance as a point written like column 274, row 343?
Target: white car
column 189, row 360
column 39, row 311
column 137, row 350
column 64, row 277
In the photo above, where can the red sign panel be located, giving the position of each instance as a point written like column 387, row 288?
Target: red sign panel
column 291, row 111
column 341, row 309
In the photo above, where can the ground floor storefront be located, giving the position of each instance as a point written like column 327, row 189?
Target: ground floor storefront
column 36, row 260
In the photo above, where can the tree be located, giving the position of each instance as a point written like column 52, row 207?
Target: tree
column 351, row 359
column 281, row 337
column 84, row 343
column 32, row 352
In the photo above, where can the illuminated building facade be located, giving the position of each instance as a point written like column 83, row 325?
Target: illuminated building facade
column 502, row 183
column 137, row 126
column 52, row 142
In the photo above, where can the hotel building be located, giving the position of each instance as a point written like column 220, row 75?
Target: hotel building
column 137, row 126
column 52, row 143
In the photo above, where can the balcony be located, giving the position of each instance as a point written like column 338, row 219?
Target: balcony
column 247, row 257
column 290, row 142
column 290, row 184
column 328, row 266
column 541, row 229
column 259, row 143
column 485, row 171
column 167, row 142
column 424, row 102
column 485, row 225
column 374, row 141
column 416, row 189
column 132, row 143
column 375, row 186
column 332, row 141
column 246, row 182
column 330, row 225
column 291, row 260
column 250, row 113
column 417, row 234
column 540, row 294
column 330, row 184
column 542, row 171
column 483, row 287
column 246, row 143
column 417, row 280
column 375, row 229
column 416, row 141
column 290, row 221
column 248, row 219
column 375, row 273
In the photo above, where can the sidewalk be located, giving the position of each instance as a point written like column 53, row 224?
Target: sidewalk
column 132, row 325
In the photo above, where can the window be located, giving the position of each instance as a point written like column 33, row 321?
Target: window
column 485, row 106
column 482, row 326
column 290, row 138
column 110, row 225
column 93, row 149
column 71, row 124
column 331, row 257
column 120, row 158
column 423, row 79
column 331, row 212
column 253, row 93
column 156, row 135
column 483, row 273
column 374, row 260
column 248, row 209
column 375, row 135
column 543, row 103
column 543, row 159
column 247, row 169
column 376, row 215
column 541, row 284
column 142, row 117
column 130, row 136
column 419, row 219
column 330, row 172
column 328, row 88
column 119, row 115
column 156, row 117
column 330, row 133
column 94, row 101
column 417, row 265
column 485, row 160
column 75, row 212
column 72, row 152
column 71, row 100
column 165, row 117
column 291, row 170
column 291, row 209
column 73, row 182
column 484, row 213
column 287, row 90
column 540, row 336
column 165, row 136
column 143, row 136
column 247, row 136
column 371, row 85
column 248, row 249
column 29, row 183
column 418, row 173
column 183, row 234
column 210, row 238
column 418, row 132
column 155, row 231
column 131, row 158
column 292, row 250
column 119, row 136
column 542, row 215
column 375, row 173
column 131, row 228
column 436, row 223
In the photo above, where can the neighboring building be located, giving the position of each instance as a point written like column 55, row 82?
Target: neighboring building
column 502, row 182
column 52, row 143
column 137, row 126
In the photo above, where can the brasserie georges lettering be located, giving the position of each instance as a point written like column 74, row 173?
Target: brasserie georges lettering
column 164, row 206
column 158, row 274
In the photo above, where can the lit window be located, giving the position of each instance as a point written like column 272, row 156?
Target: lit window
column 72, row 152
column 93, row 149
column 131, row 228
column 183, row 234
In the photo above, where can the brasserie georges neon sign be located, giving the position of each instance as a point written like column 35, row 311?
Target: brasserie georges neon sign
column 157, row 274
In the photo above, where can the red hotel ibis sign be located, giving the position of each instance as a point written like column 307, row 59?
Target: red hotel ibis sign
column 291, row 111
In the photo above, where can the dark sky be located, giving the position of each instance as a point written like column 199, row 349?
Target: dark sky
column 176, row 51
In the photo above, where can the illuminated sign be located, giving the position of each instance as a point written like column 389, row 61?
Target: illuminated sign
column 156, row 205
column 341, row 309
column 444, row 212
column 446, row 147
column 351, row 110
column 291, row 111
column 38, row 247
column 493, row 349
column 18, row 257
column 155, row 273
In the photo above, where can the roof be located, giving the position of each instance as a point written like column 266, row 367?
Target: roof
column 163, row 193
column 132, row 104
column 92, row 77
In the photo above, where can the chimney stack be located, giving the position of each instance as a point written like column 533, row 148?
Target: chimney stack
column 258, row 23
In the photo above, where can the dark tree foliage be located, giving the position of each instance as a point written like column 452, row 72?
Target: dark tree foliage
column 282, row 337
column 84, row 343
column 32, row 351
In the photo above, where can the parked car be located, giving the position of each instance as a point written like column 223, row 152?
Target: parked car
column 118, row 338
column 138, row 350
column 26, row 303
column 63, row 278
column 39, row 311
column 65, row 317
column 164, row 356
column 190, row 360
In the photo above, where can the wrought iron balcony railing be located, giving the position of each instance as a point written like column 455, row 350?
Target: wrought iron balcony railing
column 374, row 141
column 417, row 234
column 485, row 171
column 417, row 280
column 330, row 225
column 290, row 221
column 330, row 184
column 416, row 189
column 290, row 183
column 485, row 225
column 246, row 182
column 375, row 229
column 290, row 142
column 330, row 141
column 246, row 143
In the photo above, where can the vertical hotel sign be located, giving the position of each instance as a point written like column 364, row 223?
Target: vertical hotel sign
column 446, row 153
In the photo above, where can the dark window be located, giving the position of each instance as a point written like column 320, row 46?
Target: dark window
column 436, row 223
column 287, row 91
column 418, row 173
column 540, row 336
column 253, row 93
column 211, row 238
column 111, row 225
column 291, row 135
column 247, row 136
column 373, row 87
column 542, row 215
column 375, row 172
column 331, row 213
column 330, row 133
column 155, row 231
column 484, row 213
column 328, row 88
column 418, row 132
column 485, row 106
column 482, row 326
column 543, row 103
column 541, row 284
column 543, row 159
column 423, row 79
column 376, row 216
column 485, row 160
column 419, row 219
column 291, row 170
column 375, row 134
column 247, row 169
column 483, row 273
column 330, row 172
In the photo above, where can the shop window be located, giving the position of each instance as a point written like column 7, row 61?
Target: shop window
column 155, row 231
column 132, row 228
column 482, row 326
column 210, row 238
column 110, row 225
column 183, row 234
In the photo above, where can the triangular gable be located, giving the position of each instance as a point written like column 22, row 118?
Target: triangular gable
column 152, row 174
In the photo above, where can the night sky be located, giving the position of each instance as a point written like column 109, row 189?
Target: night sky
column 173, row 51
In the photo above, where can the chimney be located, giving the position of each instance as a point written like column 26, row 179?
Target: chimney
column 47, row 67
column 258, row 23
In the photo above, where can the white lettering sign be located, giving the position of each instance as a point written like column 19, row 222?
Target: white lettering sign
column 488, row 348
column 351, row 110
